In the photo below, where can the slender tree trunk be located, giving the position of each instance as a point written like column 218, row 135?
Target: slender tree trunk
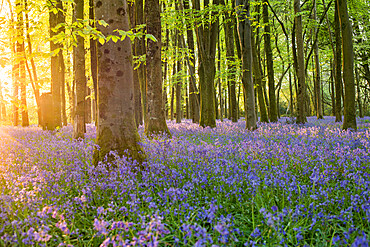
column 79, row 127
column 244, row 30
column 194, row 96
column 359, row 102
column 229, row 25
column 338, row 69
column 270, row 64
column 348, row 68
column 301, row 99
column 140, row 50
column 137, row 92
column 172, row 99
column 116, row 130
column 257, row 71
column 178, row 90
column 94, row 59
column 317, row 85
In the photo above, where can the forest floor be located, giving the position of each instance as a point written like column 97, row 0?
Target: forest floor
column 280, row 185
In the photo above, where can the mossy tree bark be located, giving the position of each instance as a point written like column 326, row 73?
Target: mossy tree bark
column 79, row 127
column 57, row 64
column 245, row 39
column 348, row 68
column 116, row 130
column 155, row 110
column 301, row 92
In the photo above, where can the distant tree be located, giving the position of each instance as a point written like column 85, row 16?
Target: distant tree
column 116, row 129
column 338, row 64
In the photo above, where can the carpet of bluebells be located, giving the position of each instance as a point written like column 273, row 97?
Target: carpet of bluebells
column 281, row 185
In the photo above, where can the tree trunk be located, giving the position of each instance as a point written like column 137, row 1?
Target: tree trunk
column 244, row 30
column 156, row 118
column 178, row 92
column 359, row 102
column 57, row 72
column 79, row 127
column 93, row 59
column 137, row 92
column 206, row 40
column 301, row 99
column 140, row 50
column 193, row 90
column 21, row 63
column 229, row 25
column 270, row 63
column 338, row 69
column 348, row 68
column 317, row 70
column 116, row 129
column 257, row 71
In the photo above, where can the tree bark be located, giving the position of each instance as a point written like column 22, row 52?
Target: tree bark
column 57, row 71
column 317, row 84
column 270, row 64
column 116, row 130
column 245, row 35
column 301, row 99
column 94, row 59
column 140, row 50
column 338, row 69
column 257, row 71
column 79, row 127
column 156, row 118
column 207, row 40
column 348, row 68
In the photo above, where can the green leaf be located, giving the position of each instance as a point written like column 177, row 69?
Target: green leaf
column 151, row 37
column 101, row 40
column 103, row 23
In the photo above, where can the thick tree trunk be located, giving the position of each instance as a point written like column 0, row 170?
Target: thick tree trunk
column 207, row 40
column 79, row 127
column 57, row 71
column 21, row 74
column 338, row 69
column 317, row 81
column 116, row 129
column 245, row 36
column 348, row 68
column 270, row 64
column 301, row 99
column 155, row 118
